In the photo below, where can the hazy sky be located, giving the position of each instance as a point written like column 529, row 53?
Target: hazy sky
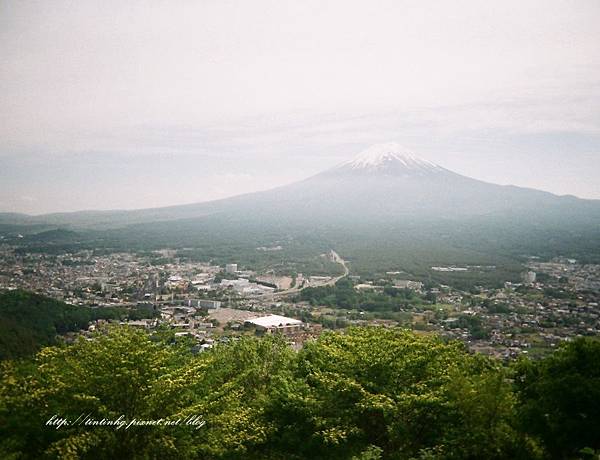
column 113, row 104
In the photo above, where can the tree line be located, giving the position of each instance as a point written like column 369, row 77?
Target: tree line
column 29, row 321
column 366, row 393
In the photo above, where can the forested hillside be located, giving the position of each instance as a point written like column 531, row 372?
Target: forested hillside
column 29, row 321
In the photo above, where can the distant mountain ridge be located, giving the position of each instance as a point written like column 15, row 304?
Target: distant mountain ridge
column 385, row 210
column 382, row 183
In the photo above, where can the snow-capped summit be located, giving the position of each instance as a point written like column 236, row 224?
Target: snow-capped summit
column 388, row 158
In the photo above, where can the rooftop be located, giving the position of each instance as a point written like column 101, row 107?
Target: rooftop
column 273, row 321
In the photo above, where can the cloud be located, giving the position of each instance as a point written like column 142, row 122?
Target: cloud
column 72, row 73
column 282, row 89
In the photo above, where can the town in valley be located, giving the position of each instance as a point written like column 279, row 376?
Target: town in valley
column 556, row 300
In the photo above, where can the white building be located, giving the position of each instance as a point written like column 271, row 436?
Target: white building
column 275, row 323
column 210, row 304
column 408, row 284
column 529, row 277
column 238, row 285
column 231, row 268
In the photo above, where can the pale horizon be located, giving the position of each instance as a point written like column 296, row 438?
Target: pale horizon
column 252, row 190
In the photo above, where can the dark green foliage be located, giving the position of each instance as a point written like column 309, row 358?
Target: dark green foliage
column 343, row 295
column 58, row 235
column 29, row 321
column 496, row 307
column 558, row 294
column 474, row 325
column 560, row 398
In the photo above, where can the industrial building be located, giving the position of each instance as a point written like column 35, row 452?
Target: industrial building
column 275, row 323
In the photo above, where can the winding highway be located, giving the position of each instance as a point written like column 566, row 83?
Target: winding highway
column 335, row 257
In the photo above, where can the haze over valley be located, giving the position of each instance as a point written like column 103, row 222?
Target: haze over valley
column 316, row 230
column 385, row 209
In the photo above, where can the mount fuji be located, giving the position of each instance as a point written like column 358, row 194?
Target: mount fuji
column 387, row 159
column 385, row 183
column 385, row 199
column 382, row 183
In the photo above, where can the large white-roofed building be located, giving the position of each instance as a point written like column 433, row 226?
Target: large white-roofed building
column 275, row 323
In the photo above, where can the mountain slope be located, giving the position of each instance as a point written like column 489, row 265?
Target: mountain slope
column 382, row 183
column 383, row 210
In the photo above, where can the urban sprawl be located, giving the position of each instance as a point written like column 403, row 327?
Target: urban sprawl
column 556, row 300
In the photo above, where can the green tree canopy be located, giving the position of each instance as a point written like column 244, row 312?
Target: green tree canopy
column 560, row 398
column 366, row 393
